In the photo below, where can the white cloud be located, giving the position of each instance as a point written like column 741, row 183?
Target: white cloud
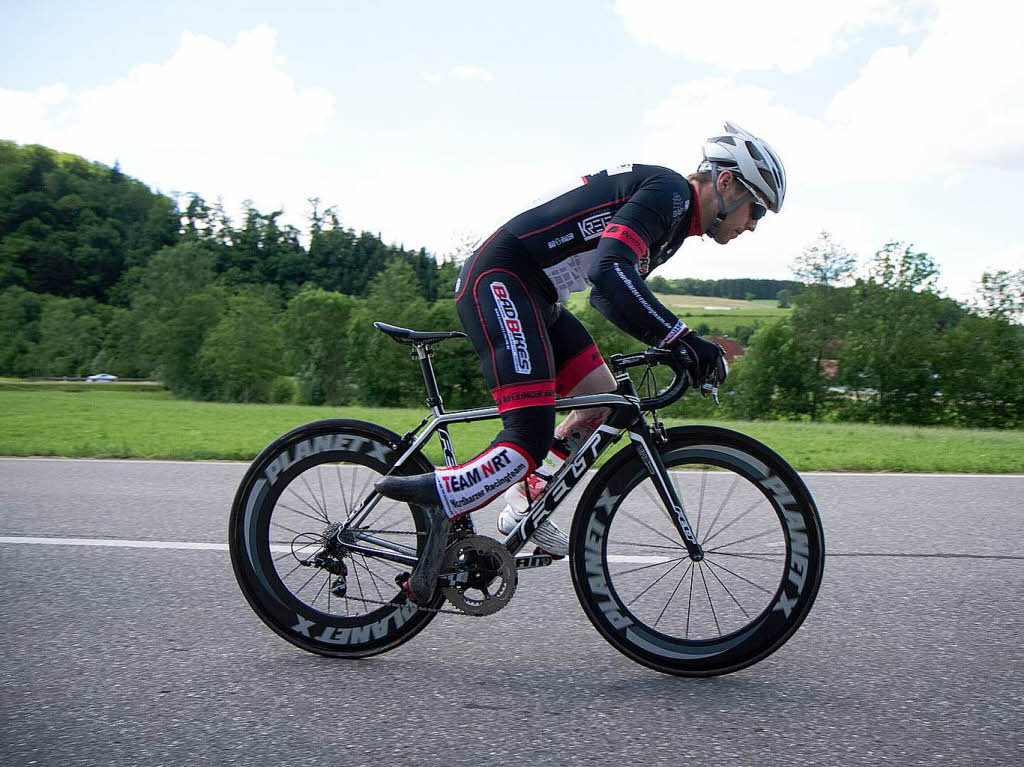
column 751, row 34
column 934, row 120
column 951, row 106
column 461, row 72
column 214, row 118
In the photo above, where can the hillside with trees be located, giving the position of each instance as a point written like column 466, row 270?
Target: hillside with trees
column 98, row 272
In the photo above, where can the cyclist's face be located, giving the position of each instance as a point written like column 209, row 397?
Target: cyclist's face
column 743, row 218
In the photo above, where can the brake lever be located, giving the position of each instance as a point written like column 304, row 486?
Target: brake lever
column 707, row 388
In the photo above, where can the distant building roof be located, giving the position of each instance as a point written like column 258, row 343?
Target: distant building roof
column 733, row 348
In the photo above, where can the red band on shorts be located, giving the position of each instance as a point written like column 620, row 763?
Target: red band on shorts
column 578, row 368
column 530, row 394
column 628, row 236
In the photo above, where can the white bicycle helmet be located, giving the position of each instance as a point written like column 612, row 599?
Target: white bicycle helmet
column 755, row 164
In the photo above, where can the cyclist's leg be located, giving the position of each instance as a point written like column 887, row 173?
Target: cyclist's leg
column 502, row 299
column 580, row 370
column 503, row 312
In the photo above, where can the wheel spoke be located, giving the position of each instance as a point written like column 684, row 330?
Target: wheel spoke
column 700, row 503
column 721, row 530
column 645, row 567
column 321, row 589
column 649, row 527
column 715, row 576
column 359, row 583
column 645, row 545
column 737, row 575
column 655, row 583
column 285, row 527
column 341, row 488
column 769, row 531
column 307, row 582
column 318, row 519
column 312, row 495
column 708, row 592
column 725, row 500
column 373, row 576
column 689, row 603
column 762, row 556
column 319, row 515
column 323, row 494
column 667, row 601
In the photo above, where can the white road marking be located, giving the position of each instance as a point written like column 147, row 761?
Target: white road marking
column 907, row 474
column 116, row 542
column 196, row 545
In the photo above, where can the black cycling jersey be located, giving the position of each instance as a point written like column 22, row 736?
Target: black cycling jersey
column 612, row 231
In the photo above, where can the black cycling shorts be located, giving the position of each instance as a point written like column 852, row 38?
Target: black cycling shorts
column 531, row 348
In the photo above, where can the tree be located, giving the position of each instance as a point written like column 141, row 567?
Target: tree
column 818, row 312
column 824, row 262
column 381, row 368
column 315, row 339
column 70, row 336
column 176, row 344
column 242, row 353
column 1001, row 294
column 980, row 373
column 20, row 312
column 775, row 378
column 892, row 337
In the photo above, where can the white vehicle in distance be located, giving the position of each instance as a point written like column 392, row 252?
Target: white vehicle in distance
column 101, row 378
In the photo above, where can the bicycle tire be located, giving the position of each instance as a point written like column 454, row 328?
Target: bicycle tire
column 314, row 630
column 799, row 567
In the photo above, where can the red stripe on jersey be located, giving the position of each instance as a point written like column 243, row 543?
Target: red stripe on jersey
column 695, row 227
column 576, row 369
column 625, row 234
column 532, row 394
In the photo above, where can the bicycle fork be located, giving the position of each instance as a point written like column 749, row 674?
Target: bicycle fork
column 642, row 438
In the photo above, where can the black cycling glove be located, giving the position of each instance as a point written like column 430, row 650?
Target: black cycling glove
column 708, row 356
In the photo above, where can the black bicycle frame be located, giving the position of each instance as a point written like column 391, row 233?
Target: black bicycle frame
column 625, row 417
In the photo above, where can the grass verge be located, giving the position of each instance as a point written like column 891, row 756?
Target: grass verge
column 107, row 423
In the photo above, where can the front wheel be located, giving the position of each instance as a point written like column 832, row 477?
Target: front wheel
column 764, row 554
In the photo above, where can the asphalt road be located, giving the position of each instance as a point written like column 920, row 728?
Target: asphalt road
column 127, row 655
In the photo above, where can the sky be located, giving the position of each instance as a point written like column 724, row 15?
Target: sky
column 432, row 123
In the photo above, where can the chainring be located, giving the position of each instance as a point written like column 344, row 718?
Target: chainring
column 484, row 575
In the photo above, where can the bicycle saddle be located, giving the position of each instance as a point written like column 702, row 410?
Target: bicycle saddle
column 406, row 336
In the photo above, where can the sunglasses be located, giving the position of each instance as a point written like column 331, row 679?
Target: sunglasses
column 757, row 208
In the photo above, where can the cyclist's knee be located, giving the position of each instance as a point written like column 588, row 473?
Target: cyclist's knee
column 531, row 428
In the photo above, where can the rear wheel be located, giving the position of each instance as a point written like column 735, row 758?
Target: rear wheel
column 316, row 594
column 763, row 544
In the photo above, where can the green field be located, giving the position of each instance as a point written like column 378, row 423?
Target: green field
column 721, row 314
column 111, row 423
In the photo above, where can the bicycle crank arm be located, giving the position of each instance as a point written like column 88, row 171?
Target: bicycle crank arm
column 527, row 562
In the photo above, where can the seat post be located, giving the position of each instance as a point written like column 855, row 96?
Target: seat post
column 423, row 353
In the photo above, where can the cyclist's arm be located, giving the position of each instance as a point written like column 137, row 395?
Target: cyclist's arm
column 619, row 292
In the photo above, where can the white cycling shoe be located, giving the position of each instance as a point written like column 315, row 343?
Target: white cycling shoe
column 548, row 536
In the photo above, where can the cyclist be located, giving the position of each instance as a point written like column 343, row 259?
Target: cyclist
column 609, row 231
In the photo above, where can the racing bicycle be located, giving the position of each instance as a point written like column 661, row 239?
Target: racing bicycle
column 694, row 550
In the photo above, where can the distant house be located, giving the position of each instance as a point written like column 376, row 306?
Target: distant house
column 733, row 348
